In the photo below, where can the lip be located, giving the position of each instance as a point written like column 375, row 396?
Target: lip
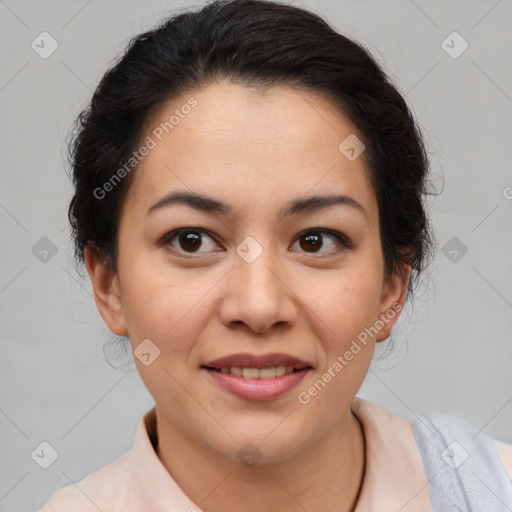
column 257, row 389
column 245, row 360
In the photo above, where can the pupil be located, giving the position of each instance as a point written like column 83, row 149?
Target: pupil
column 314, row 242
column 191, row 240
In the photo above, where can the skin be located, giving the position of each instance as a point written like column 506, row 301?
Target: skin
column 254, row 151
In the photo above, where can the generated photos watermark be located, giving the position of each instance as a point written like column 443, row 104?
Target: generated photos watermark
column 150, row 143
column 343, row 360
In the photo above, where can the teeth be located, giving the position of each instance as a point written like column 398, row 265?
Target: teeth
column 280, row 371
column 236, row 371
column 250, row 373
column 267, row 373
column 255, row 373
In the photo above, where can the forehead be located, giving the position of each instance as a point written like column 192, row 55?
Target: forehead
column 250, row 147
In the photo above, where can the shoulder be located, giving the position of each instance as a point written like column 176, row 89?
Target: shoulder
column 461, row 462
column 120, row 486
column 504, row 451
column 103, row 488
column 458, row 436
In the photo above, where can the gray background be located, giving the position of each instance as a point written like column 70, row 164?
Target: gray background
column 453, row 350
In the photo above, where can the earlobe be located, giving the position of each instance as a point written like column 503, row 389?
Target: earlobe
column 394, row 294
column 107, row 294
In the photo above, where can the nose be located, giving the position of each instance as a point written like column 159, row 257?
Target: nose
column 259, row 294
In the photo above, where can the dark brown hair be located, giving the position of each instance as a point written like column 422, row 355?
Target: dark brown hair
column 260, row 44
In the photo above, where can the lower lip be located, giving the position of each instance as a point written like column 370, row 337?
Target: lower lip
column 258, row 389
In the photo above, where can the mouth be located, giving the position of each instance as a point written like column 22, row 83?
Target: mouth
column 257, row 373
column 257, row 377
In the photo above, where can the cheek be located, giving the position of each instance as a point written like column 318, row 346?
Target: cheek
column 166, row 307
column 347, row 307
column 347, row 301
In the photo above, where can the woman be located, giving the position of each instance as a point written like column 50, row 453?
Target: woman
column 249, row 207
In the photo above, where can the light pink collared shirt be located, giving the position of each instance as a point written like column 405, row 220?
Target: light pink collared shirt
column 138, row 482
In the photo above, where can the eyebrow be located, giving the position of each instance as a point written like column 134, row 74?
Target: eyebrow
column 299, row 205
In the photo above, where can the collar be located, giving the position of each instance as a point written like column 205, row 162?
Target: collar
column 394, row 476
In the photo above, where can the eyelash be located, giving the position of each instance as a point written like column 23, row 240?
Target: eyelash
column 342, row 240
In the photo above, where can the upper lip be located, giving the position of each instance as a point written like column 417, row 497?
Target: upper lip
column 245, row 360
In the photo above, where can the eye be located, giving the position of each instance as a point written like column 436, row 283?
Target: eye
column 313, row 239
column 188, row 240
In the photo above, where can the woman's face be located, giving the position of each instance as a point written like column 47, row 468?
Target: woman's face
column 250, row 274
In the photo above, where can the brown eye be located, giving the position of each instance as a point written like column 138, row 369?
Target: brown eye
column 188, row 240
column 311, row 242
column 314, row 240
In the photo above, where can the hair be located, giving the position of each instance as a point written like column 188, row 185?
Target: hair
column 260, row 44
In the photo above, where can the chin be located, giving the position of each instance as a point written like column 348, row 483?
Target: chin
column 265, row 444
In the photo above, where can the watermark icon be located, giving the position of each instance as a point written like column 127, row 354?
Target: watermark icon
column 44, row 249
column 507, row 192
column 304, row 397
column 454, row 249
column 146, row 352
column 249, row 249
column 454, row 455
column 249, row 454
column 351, row 147
column 44, row 45
column 454, row 45
column 44, row 455
column 150, row 143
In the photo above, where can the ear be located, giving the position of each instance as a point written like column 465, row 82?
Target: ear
column 394, row 294
column 107, row 295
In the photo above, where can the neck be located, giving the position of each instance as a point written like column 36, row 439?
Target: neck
column 326, row 476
